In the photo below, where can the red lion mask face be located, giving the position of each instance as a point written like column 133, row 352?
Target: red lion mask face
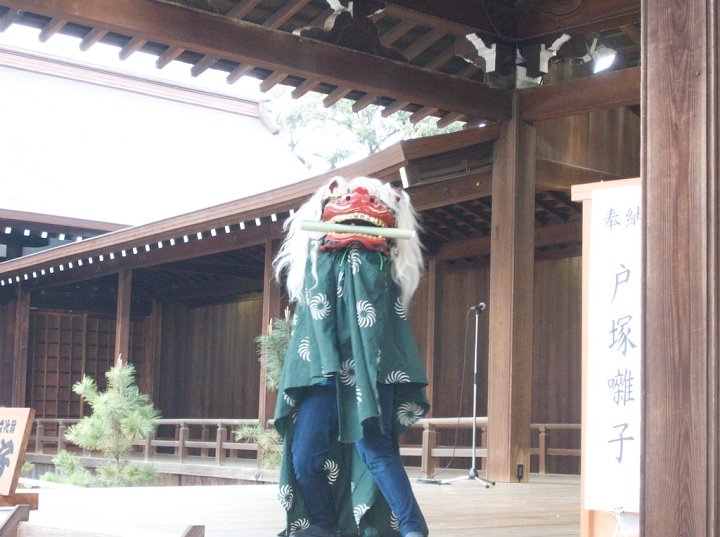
column 357, row 207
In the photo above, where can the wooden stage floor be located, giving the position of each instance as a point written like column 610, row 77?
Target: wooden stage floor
column 547, row 506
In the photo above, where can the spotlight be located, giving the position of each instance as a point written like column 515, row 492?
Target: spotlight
column 604, row 57
column 601, row 56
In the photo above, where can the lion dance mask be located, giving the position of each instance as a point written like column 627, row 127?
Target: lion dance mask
column 351, row 291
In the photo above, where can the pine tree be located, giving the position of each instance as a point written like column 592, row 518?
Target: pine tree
column 272, row 347
column 121, row 415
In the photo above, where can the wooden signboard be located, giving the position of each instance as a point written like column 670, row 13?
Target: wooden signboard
column 611, row 360
column 15, row 427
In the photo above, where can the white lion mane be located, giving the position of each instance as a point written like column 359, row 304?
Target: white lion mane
column 407, row 262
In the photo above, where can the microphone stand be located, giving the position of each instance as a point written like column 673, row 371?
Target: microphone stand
column 473, row 473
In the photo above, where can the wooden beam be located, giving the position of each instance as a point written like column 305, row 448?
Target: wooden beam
column 511, row 303
column 305, row 87
column 122, row 317
column 156, row 256
column 247, row 43
column 29, row 499
column 473, row 186
column 271, row 81
column 448, row 119
column 551, row 17
column 680, row 471
column 421, row 114
column 443, row 143
column 51, row 28
column 334, row 96
column 170, row 54
column 10, row 16
column 458, row 17
column 131, row 47
column 632, row 33
column 364, row 102
column 94, row 36
column 589, row 94
column 557, row 235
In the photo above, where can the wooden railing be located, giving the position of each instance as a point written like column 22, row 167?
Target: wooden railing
column 210, row 442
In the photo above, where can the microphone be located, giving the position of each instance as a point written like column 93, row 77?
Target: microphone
column 480, row 306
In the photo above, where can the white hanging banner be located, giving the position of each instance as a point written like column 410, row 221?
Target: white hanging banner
column 612, row 426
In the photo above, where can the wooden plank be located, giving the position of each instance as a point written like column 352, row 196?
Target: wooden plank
column 545, row 507
column 589, row 94
column 28, row 529
column 194, row 531
column 681, row 308
column 511, row 303
column 253, row 44
column 10, row 517
column 29, row 499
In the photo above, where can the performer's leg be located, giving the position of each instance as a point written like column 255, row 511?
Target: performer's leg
column 316, row 423
column 378, row 452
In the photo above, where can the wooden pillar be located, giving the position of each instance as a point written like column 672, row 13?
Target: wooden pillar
column 20, row 347
column 511, row 302
column 680, row 447
column 122, row 317
column 431, row 335
column 271, row 309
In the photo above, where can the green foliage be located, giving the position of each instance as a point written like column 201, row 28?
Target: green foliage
column 272, row 347
column 121, row 415
column 69, row 470
column 27, row 468
column 113, row 475
column 267, row 441
column 329, row 135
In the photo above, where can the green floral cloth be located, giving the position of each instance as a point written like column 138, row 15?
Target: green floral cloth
column 352, row 327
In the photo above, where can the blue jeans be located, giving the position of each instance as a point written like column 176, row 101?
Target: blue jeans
column 316, row 425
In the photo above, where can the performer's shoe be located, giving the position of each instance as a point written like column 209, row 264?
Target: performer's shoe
column 313, row 531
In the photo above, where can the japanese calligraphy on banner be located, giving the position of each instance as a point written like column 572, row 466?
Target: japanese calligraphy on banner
column 612, row 425
column 15, row 425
